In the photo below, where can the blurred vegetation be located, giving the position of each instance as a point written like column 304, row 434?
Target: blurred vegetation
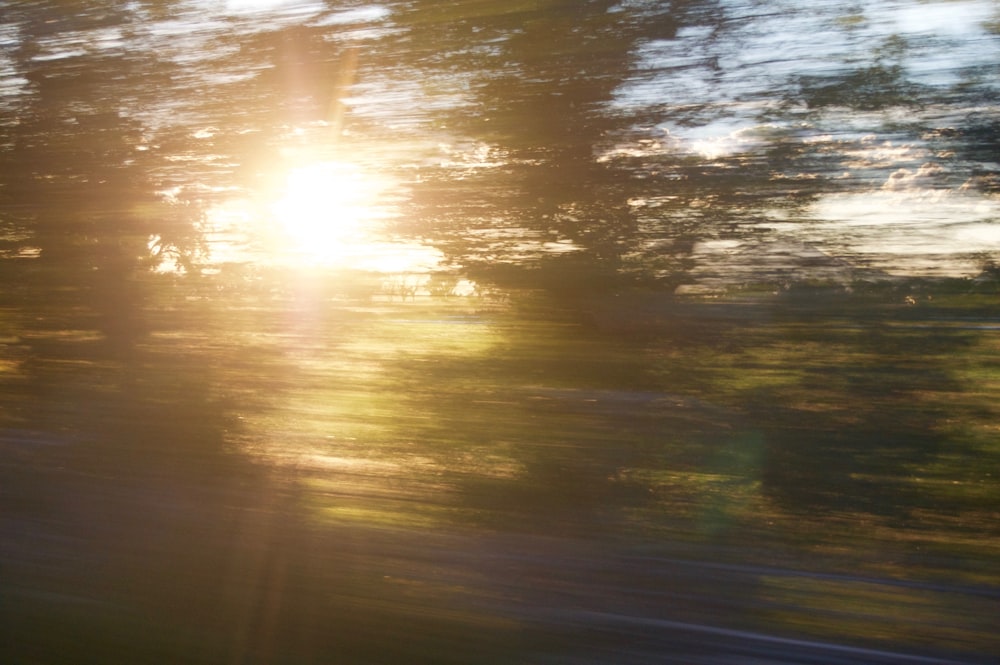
column 242, row 462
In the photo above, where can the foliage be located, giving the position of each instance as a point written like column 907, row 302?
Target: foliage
column 219, row 459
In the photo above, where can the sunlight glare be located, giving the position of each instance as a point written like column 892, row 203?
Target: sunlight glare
column 326, row 206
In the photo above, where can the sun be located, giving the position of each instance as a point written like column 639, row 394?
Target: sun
column 320, row 215
column 326, row 208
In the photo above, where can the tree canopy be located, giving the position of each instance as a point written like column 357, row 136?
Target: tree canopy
column 615, row 140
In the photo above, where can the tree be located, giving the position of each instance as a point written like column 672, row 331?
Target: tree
column 540, row 78
column 79, row 163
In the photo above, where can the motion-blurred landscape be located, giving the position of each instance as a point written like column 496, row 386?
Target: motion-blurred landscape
column 499, row 332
